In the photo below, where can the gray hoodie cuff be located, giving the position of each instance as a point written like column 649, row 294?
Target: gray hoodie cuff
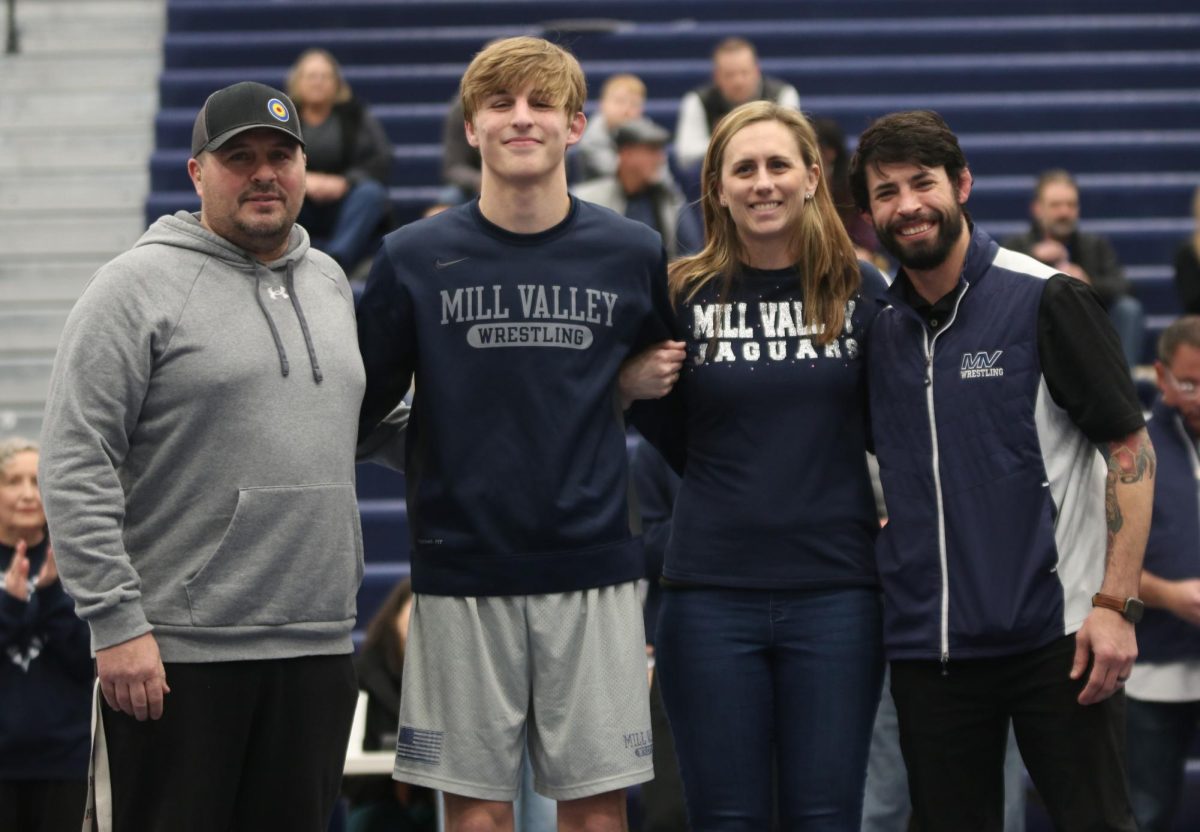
column 118, row 624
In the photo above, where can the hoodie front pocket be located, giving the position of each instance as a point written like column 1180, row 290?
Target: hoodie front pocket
column 291, row 554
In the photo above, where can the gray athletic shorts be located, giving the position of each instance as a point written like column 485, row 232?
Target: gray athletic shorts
column 565, row 672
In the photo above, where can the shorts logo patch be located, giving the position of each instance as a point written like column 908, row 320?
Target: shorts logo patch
column 641, row 743
column 419, row 745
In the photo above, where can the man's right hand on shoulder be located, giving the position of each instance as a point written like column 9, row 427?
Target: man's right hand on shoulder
column 132, row 677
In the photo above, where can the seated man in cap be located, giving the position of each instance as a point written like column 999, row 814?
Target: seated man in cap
column 642, row 190
column 198, row 477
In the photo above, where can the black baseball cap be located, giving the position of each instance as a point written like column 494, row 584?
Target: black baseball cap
column 641, row 130
column 241, row 107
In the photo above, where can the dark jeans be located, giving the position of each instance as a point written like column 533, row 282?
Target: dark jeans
column 1160, row 734
column 344, row 229
column 954, row 728
column 42, row 805
column 759, row 679
column 247, row 745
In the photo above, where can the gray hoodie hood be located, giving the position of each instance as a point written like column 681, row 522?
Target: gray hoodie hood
column 185, row 231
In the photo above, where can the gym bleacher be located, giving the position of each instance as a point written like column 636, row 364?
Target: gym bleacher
column 1108, row 90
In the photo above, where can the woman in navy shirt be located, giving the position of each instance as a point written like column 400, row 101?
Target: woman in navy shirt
column 768, row 644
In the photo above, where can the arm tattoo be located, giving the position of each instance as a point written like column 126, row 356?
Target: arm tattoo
column 1130, row 460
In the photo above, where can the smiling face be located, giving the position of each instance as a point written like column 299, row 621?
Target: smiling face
column 763, row 184
column 21, row 514
column 251, row 190
column 523, row 136
column 917, row 212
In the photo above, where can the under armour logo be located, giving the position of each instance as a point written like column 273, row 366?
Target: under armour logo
column 277, row 294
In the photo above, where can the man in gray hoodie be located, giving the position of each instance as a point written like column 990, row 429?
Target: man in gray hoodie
column 198, row 475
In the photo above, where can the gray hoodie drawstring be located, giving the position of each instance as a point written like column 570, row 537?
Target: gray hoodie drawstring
column 283, row 359
column 308, row 342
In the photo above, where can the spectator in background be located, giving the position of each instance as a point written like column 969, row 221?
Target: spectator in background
column 1163, row 705
column 623, row 97
column 45, row 665
column 836, row 161
column 638, row 191
column 349, row 160
column 653, row 489
column 1055, row 239
column 462, row 166
column 736, row 79
column 768, row 641
column 198, row 473
column 381, row 804
column 1187, row 265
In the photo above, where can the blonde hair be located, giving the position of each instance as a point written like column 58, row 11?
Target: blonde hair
column 13, row 446
column 343, row 93
column 825, row 260
column 625, row 80
column 511, row 64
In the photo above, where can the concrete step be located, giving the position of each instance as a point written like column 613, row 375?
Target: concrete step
column 25, row 157
column 70, row 235
column 70, row 106
column 82, row 27
column 38, row 280
column 34, row 73
column 24, row 422
column 31, row 331
column 24, row 381
column 26, row 192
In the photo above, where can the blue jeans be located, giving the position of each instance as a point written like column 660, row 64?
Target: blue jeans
column 761, row 682
column 1159, row 735
column 344, row 229
column 1129, row 320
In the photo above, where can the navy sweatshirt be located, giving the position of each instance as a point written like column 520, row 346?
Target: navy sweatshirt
column 770, row 431
column 515, row 456
column 45, row 682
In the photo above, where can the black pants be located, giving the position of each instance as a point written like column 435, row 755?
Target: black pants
column 953, row 730
column 42, row 805
column 253, row 745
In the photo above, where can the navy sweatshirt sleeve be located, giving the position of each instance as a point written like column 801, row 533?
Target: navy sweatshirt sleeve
column 515, row 450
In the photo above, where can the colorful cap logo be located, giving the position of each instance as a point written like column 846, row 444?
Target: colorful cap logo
column 278, row 109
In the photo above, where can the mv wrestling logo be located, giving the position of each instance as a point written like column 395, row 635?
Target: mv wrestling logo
column 981, row 365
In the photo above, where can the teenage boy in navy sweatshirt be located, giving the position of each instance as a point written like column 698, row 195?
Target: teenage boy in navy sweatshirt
column 514, row 313
column 1012, row 552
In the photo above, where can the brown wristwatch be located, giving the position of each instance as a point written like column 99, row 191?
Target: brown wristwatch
column 1131, row 608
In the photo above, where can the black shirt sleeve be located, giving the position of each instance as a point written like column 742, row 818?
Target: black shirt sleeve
column 1083, row 364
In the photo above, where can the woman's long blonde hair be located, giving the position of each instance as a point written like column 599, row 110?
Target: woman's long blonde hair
column 824, row 255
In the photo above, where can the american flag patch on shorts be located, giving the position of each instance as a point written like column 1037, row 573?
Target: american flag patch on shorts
column 419, row 745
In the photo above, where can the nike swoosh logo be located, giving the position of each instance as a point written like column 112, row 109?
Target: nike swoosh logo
column 443, row 264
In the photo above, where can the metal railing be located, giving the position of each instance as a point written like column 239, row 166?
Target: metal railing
column 12, row 44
